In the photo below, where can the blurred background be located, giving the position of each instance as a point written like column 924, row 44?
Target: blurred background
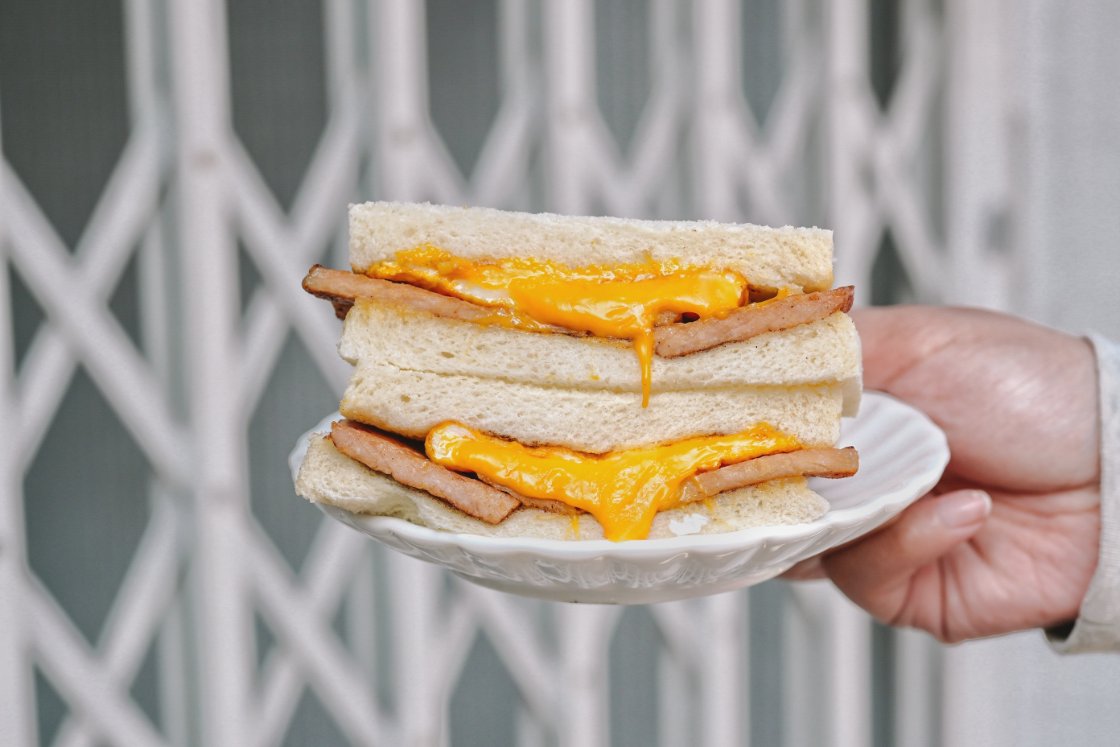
column 171, row 168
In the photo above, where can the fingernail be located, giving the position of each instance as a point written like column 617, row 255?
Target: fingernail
column 964, row 508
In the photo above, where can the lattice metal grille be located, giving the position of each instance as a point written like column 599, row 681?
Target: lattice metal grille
column 380, row 641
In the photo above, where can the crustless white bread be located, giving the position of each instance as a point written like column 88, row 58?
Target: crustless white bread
column 416, row 368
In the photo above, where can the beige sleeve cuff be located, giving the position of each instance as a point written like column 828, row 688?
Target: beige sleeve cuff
column 1097, row 627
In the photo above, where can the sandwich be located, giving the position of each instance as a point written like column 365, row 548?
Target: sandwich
column 536, row 375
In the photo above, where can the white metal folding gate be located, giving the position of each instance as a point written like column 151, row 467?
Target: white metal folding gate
column 185, row 194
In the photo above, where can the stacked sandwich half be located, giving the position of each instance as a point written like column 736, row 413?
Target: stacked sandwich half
column 575, row 378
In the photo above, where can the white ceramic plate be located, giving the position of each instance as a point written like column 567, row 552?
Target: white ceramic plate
column 902, row 456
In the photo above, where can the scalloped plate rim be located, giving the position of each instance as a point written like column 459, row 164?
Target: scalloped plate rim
column 865, row 516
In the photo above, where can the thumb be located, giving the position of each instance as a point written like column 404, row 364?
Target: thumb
column 876, row 572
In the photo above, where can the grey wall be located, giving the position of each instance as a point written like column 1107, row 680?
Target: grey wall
column 1071, row 133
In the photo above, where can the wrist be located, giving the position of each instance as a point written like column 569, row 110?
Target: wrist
column 1097, row 626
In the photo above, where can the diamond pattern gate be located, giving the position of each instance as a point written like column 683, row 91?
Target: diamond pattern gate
column 797, row 112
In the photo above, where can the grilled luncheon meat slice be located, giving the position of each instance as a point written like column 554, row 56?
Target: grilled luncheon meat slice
column 748, row 321
column 409, row 467
column 822, row 462
column 493, row 504
column 673, row 339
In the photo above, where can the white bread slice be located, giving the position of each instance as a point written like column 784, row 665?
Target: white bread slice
column 822, row 352
column 327, row 476
column 769, row 258
column 412, row 402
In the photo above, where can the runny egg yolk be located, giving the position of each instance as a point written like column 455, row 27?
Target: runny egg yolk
column 623, row 490
column 619, row 301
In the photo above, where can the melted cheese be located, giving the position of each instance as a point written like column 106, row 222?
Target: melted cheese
column 623, row 490
column 621, row 301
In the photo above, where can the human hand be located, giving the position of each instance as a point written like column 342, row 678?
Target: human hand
column 1008, row 540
